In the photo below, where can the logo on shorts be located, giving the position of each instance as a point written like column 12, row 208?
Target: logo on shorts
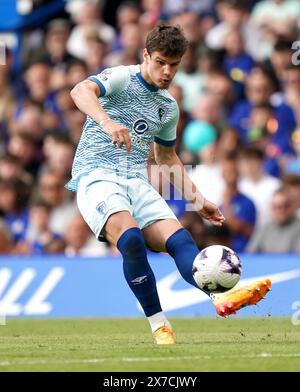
column 140, row 126
column 101, row 207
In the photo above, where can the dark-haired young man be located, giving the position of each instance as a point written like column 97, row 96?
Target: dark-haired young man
column 110, row 176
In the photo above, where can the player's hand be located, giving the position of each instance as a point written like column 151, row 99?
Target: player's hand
column 212, row 213
column 119, row 134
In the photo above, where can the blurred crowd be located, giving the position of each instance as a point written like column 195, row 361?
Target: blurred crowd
column 238, row 91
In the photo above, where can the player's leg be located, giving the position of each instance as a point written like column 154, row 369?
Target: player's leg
column 167, row 235
column 122, row 230
column 149, row 207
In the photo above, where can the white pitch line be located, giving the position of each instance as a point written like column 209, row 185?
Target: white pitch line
column 261, row 355
column 146, row 359
column 46, row 362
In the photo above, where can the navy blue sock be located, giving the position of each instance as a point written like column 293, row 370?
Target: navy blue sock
column 183, row 249
column 137, row 270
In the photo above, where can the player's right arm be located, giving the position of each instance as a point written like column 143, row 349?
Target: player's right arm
column 85, row 95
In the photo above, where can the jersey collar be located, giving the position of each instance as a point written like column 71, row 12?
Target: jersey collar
column 145, row 83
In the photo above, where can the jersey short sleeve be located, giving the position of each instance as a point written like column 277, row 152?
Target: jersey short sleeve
column 111, row 80
column 167, row 134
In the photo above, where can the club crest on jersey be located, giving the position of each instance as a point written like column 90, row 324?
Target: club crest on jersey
column 162, row 112
column 101, row 207
column 140, row 126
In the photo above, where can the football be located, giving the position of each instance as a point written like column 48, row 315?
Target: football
column 217, row 268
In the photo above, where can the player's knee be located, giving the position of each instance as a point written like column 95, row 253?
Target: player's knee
column 131, row 242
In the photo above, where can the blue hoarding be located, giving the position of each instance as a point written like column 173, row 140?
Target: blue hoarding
column 85, row 287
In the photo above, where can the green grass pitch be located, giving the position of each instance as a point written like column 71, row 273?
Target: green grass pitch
column 203, row 344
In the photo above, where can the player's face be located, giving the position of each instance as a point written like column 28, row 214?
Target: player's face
column 160, row 69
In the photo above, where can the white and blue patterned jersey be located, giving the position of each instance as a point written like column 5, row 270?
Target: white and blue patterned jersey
column 150, row 114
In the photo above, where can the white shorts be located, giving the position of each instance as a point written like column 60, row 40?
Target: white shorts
column 103, row 192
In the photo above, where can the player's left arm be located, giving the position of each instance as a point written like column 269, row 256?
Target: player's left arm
column 172, row 167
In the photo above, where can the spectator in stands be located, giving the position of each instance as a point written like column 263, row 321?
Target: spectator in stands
column 260, row 87
column 87, row 13
column 218, row 85
column 237, row 63
column 64, row 107
column 291, row 183
column 37, row 79
column 50, row 141
column 235, row 14
column 11, row 169
column 25, row 147
column 128, row 12
column 38, row 90
column 207, row 109
column 95, row 53
column 14, row 196
column 131, row 45
column 80, row 241
column 63, row 101
column 74, row 121
column 282, row 233
column 229, row 143
column 262, row 124
column 190, row 22
column 151, row 14
column 262, row 127
column 277, row 18
column 256, row 183
column 76, row 72
column 29, row 121
column 39, row 239
column 59, row 157
column 239, row 210
column 57, row 55
column 51, row 190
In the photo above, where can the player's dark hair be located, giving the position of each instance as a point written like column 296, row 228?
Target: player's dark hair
column 168, row 40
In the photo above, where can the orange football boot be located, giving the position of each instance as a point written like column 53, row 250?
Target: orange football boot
column 164, row 335
column 240, row 296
